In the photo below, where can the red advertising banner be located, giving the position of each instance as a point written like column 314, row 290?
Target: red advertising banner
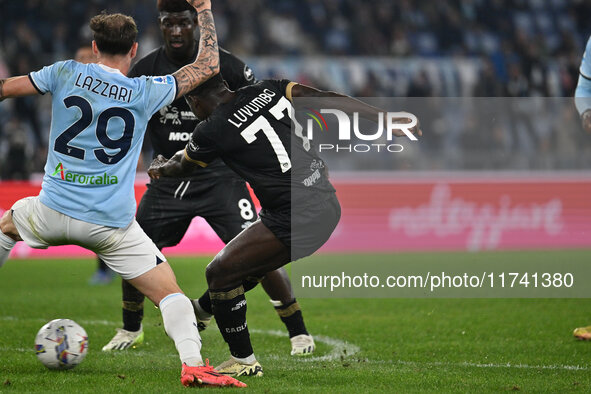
column 429, row 213
column 471, row 212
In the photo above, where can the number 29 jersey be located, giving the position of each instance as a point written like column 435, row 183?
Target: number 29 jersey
column 253, row 136
column 99, row 118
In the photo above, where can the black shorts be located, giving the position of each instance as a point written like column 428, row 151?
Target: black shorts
column 306, row 227
column 168, row 206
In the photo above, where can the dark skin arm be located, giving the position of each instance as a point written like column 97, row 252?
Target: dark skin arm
column 349, row 105
column 177, row 166
column 207, row 63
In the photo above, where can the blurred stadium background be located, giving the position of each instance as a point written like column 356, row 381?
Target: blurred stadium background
column 526, row 172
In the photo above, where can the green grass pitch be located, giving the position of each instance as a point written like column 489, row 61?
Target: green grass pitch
column 363, row 345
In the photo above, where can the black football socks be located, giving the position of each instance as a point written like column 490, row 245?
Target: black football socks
column 133, row 307
column 205, row 300
column 229, row 309
column 291, row 315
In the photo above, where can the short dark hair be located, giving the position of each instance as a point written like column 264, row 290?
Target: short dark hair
column 174, row 6
column 213, row 84
column 114, row 34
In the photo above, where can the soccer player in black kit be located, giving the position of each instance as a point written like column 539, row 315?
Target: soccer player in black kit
column 250, row 130
column 215, row 193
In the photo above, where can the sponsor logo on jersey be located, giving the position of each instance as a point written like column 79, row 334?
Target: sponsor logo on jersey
column 59, row 169
column 316, row 164
column 179, row 136
column 248, row 74
column 172, row 114
column 188, row 115
column 312, row 179
column 73, row 177
column 169, row 113
column 166, row 80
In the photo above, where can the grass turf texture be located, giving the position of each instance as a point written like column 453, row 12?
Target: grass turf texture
column 405, row 345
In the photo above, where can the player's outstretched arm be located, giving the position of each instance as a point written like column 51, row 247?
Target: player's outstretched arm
column 16, row 87
column 348, row 105
column 207, row 63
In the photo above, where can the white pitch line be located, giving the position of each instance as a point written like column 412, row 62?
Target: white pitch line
column 340, row 349
column 491, row 365
column 17, row 349
column 83, row 322
column 99, row 323
column 13, row 318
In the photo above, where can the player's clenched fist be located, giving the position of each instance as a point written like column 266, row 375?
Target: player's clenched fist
column 155, row 166
column 161, row 166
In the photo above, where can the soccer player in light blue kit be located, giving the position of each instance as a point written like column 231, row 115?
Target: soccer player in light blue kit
column 99, row 118
column 583, row 93
column 583, row 103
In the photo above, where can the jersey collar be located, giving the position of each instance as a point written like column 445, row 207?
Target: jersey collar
column 109, row 69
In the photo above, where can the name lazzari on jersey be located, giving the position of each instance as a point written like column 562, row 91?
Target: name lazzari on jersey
column 104, row 88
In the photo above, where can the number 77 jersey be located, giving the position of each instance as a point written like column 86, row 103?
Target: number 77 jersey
column 98, row 122
column 253, row 135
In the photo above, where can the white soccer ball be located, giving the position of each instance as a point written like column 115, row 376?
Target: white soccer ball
column 61, row 344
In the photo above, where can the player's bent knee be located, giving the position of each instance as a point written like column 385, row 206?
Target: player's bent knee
column 7, row 226
column 217, row 272
column 5, row 220
column 212, row 270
